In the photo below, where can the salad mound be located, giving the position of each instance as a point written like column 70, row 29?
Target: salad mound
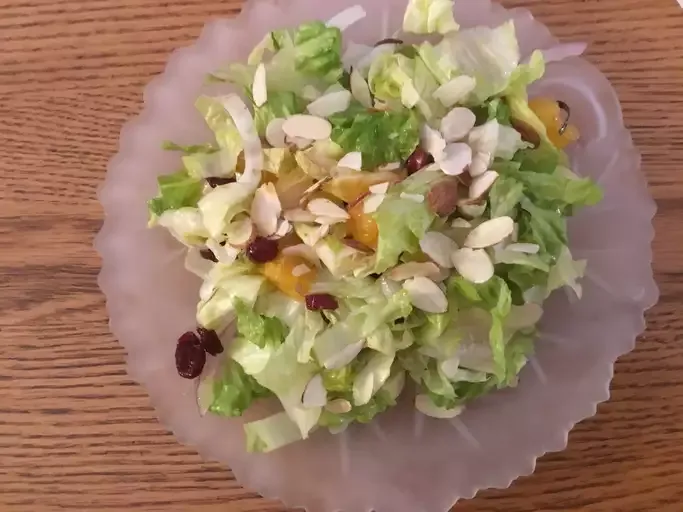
column 369, row 217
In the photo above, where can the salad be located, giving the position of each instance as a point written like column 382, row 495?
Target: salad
column 371, row 221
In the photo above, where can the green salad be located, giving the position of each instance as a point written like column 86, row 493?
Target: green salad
column 371, row 221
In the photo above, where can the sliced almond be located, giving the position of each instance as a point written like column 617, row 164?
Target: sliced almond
column 275, row 135
column 426, row 295
column 473, row 264
column 284, row 227
column 312, row 189
column 482, row 184
column 490, row 233
column 373, row 202
column 418, row 198
column 266, row 209
column 260, row 90
column 330, row 104
column 300, row 270
column 432, row 141
column 413, row 269
column 315, row 394
column 297, row 142
column 461, row 223
column 360, row 89
column 439, row 248
column 325, row 208
column 353, row 160
column 304, row 251
column 380, row 188
column 480, row 164
column 240, row 232
column 307, row 127
column 329, row 221
column 455, row 91
column 339, row 406
column 311, row 235
column 484, row 138
column 472, row 209
column 443, row 196
column 455, row 159
column 299, row 215
column 457, row 124
column 524, row 248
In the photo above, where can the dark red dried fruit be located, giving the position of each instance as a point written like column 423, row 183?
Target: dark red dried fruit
column 320, row 301
column 208, row 254
column 189, row 356
column 210, row 341
column 262, row 250
column 419, row 159
column 217, row 182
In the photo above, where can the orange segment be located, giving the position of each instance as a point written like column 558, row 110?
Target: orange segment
column 550, row 114
column 281, row 272
column 349, row 187
column 362, row 227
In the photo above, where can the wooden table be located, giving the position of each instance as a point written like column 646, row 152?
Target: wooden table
column 77, row 434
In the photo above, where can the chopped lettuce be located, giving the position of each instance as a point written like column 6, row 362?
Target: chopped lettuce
column 221, row 124
column 234, row 390
column 429, row 16
column 177, row 190
column 258, row 329
column 271, row 433
column 382, row 137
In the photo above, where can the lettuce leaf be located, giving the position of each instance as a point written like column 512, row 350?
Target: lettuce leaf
column 177, row 190
column 382, row 137
column 271, row 433
column 545, row 227
column 221, row 124
column 318, row 51
column 258, row 329
column 234, row 390
column 429, row 16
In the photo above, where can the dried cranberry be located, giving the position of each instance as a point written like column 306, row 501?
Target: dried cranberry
column 217, row 182
column 189, row 356
column 419, row 159
column 210, row 341
column 262, row 250
column 208, row 254
column 320, row 301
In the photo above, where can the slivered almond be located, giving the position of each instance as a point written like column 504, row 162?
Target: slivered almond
column 380, row 188
column 266, row 209
column 307, row 127
column 414, row 269
column 439, row 248
column 373, row 202
column 490, row 233
column 473, row 264
column 298, row 142
column 443, row 196
column 482, row 184
column 418, row 198
column 480, row 164
column 353, row 160
column 426, row 295
column 299, row 215
column 326, row 208
column 339, row 406
column 315, row 394
column 240, row 232
column 259, row 90
column 300, row 270
column 461, row 223
column 457, row 124
column 524, row 248
column 275, row 135
column 432, row 141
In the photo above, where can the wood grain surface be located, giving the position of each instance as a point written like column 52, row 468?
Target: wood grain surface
column 77, row 434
